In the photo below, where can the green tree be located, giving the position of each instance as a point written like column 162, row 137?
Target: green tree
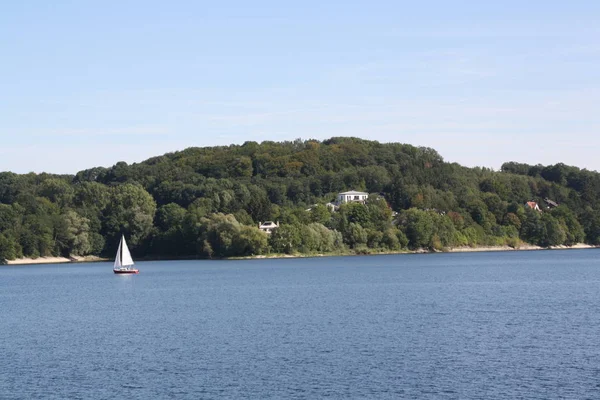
column 418, row 227
column 286, row 239
column 356, row 235
column 280, row 181
column 219, row 231
column 555, row 232
column 250, row 241
column 574, row 232
column 320, row 214
column 169, row 216
column 77, row 234
column 533, row 229
column 130, row 212
column 310, row 239
column 7, row 248
column 326, row 238
column 57, row 191
column 390, row 239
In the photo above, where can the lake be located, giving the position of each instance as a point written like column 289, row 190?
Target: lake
column 441, row 326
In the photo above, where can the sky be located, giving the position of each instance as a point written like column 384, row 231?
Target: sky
column 91, row 83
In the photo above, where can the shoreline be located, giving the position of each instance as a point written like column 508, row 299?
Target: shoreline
column 524, row 247
column 466, row 249
column 54, row 260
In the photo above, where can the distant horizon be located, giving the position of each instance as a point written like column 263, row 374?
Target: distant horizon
column 88, row 84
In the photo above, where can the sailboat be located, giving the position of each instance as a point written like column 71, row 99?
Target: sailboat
column 123, row 260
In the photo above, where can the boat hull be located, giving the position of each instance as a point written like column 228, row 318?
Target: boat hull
column 126, row 271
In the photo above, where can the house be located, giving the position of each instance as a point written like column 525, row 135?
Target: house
column 351, row 196
column 551, row 203
column 533, row 205
column 268, row 226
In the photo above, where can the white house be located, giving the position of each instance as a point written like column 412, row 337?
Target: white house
column 268, row 226
column 348, row 197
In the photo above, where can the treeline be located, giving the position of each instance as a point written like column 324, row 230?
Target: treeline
column 208, row 202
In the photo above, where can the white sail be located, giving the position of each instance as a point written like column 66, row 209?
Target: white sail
column 126, row 259
column 118, row 258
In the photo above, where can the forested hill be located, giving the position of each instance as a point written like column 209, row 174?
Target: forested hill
column 208, row 202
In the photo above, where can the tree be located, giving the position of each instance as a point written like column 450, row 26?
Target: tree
column 555, row 232
column 574, row 232
column 418, row 227
column 320, row 214
column 11, row 186
column 58, row 191
column 356, row 213
column 356, row 235
column 390, row 239
column 326, row 237
column 286, row 239
column 250, row 241
column 374, row 238
column 591, row 226
column 91, row 195
column 7, row 248
column 77, row 234
column 444, row 204
column 9, row 217
column 130, row 212
column 219, row 231
column 379, row 213
column 241, row 167
column 479, row 212
column 533, row 229
column 444, row 232
column 170, row 216
column 310, row 239
column 259, row 206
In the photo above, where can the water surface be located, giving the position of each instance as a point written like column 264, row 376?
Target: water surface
column 456, row 326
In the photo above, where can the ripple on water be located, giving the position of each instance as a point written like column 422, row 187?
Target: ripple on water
column 443, row 326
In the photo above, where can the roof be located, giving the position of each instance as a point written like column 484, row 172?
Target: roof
column 531, row 204
column 267, row 224
column 355, row 193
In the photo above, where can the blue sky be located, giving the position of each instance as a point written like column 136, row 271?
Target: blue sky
column 91, row 83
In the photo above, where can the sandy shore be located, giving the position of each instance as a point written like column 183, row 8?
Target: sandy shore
column 466, row 249
column 39, row 260
column 520, row 248
column 53, row 260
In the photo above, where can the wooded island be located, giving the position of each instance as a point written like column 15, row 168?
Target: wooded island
column 342, row 195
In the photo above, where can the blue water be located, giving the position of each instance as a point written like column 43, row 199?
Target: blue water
column 441, row 326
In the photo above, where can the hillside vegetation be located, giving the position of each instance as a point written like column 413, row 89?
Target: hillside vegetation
column 208, row 202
